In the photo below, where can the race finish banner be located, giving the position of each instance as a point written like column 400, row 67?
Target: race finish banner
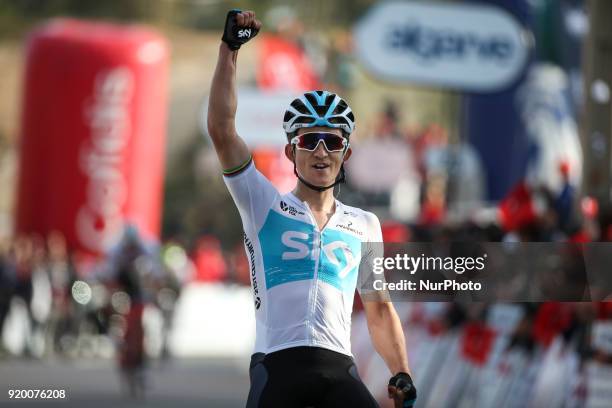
column 488, row 272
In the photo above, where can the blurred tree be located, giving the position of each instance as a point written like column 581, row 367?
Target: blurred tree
column 316, row 14
column 210, row 14
column 196, row 201
column 115, row 9
column 17, row 16
column 323, row 14
column 202, row 14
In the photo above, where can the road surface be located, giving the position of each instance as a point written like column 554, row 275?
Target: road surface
column 214, row 383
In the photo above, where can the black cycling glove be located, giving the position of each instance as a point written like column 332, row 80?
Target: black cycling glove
column 403, row 383
column 235, row 36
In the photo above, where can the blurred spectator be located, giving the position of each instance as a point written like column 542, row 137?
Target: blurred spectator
column 454, row 163
column 41, row 303
column 8, row 277
column 179, row 271
column 240, row 265
column 62, row 275
column 432, row 136
column 209, row 261
column 564, row 202
column 517, row 209
column 433, row 208
column 393, row 231
column 285, row 64
column 339, row 74
column 23, row 260
column 383, row 162
column 590, row 230
column 177, row 263
column 387, row 125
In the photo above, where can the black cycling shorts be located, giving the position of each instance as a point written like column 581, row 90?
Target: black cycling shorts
column 302, row 377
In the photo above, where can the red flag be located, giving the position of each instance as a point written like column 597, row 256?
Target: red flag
column 477, row 342
column 516, row 210
column 552, row 318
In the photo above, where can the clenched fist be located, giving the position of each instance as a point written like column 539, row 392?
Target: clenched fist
column 240, row 27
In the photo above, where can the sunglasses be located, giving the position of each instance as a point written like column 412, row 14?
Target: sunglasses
column 310, row 141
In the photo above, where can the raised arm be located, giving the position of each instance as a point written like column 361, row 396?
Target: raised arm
column 231, row 149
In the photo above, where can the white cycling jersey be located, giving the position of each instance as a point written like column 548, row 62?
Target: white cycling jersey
column 303, row 279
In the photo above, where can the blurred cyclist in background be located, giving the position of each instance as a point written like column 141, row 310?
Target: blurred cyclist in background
column 135, row 268
column 304, row 251
column 8, row 278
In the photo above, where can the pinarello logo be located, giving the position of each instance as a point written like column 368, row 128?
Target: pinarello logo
column 284, row 206
column 349, row 227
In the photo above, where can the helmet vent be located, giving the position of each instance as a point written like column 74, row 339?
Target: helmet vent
column 321, row 110
column 300, row 107
column 337, row 120
column 304, row 119
column 311, row 99
column 288, row 116
column 342, row 106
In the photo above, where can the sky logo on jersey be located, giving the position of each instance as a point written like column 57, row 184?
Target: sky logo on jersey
column 346, row 261
column 288, row 256
column 286, row 246
column 340, row 259
column 297, row 241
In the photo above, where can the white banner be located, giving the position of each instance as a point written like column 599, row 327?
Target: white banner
column 259, row 119
column 602, row 337
column 478, row 48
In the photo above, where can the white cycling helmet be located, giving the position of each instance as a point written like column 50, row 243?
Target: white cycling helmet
column 318, row 108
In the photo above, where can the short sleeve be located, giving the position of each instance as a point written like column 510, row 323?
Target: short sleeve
column 253, row 194
column 372, row 255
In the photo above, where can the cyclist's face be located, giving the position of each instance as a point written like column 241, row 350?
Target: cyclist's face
column 318, row 167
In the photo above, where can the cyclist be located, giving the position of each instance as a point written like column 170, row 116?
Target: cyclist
column 133, row 266
column 304, row 250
